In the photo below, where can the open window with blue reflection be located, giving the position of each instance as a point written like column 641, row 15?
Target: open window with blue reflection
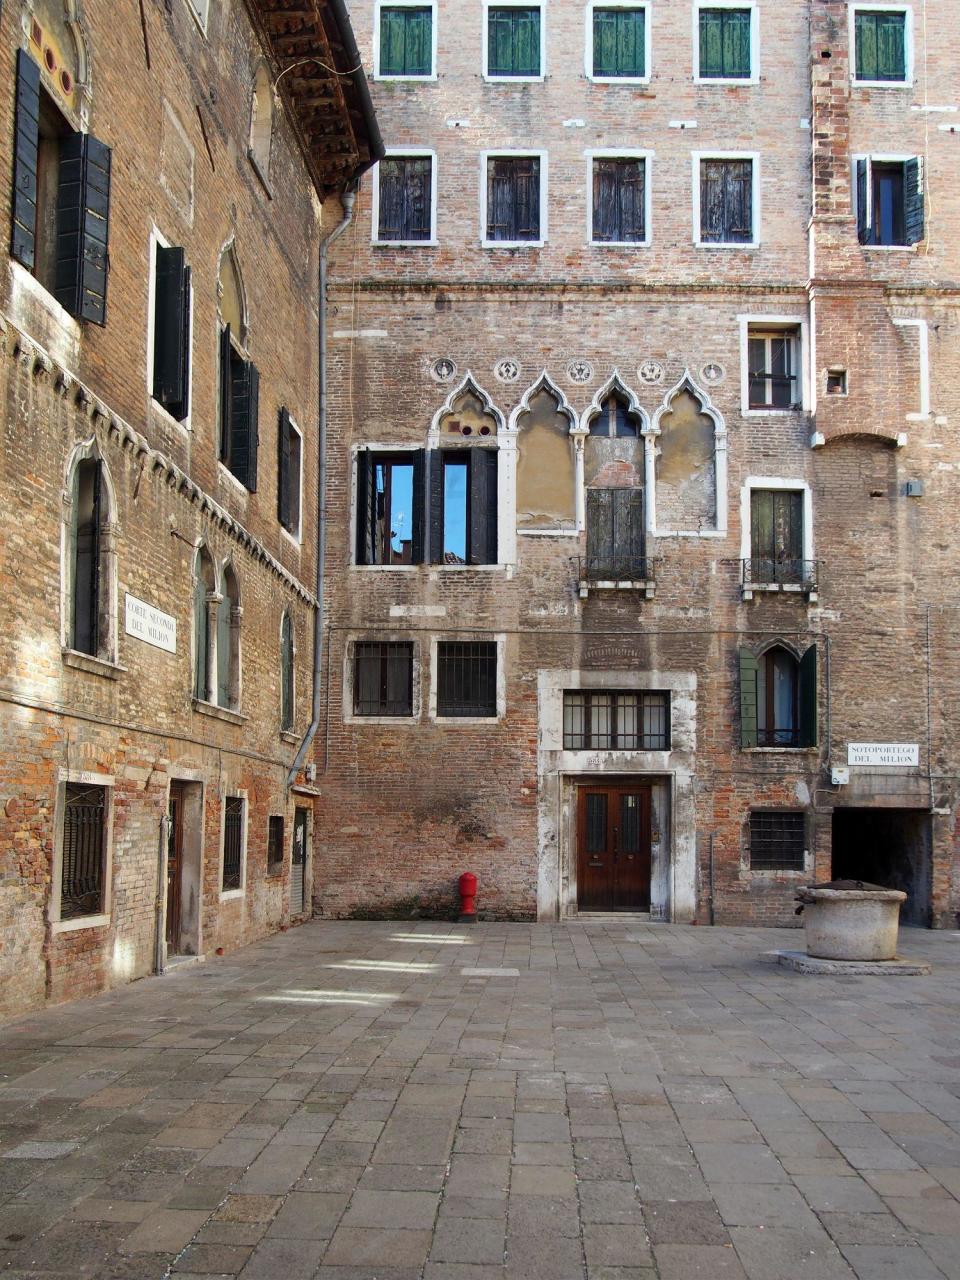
column 463, row 506
column 390, row 490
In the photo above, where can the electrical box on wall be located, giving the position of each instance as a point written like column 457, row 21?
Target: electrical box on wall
column 839, row 775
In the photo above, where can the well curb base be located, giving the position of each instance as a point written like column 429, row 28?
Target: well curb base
column 800, row 962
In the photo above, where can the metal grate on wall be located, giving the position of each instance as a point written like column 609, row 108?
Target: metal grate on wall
column 233, row 843
column 382, row 678
column 466, row 678
column 777, row 841
column 84, row 830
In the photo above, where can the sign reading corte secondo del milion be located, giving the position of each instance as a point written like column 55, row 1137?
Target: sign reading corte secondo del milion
column 902, row 753
column 149, row 624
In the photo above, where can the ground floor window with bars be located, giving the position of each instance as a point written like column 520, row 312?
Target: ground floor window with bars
column 595, row 720
column 233, row 824
column 83, row 869
column 382, row 678
column 467, row 678
column 777, row 841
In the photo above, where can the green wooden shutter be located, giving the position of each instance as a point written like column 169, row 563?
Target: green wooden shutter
column 749, row 677
column 863, row 202
column 283, row 468
column 808, row 698
column 736, row 44
column 865, row 34
column 23, row 231
column 711, row 43
column 201, row 621
column 392, row 42
column 224, row 639
column 913, row 224
column 171, row 332
column 526, row 25
column 419, row 42
column 605, row 42
column 83, row 226
column 418, row 500
column 891, row 54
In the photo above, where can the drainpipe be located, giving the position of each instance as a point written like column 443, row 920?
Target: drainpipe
column 161, row 867
column 347, row 200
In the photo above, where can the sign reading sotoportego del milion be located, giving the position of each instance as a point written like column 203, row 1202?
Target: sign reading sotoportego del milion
column 905, row 754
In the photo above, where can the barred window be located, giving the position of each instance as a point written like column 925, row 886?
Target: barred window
column 275, row 845
column 382, row 678
column 594, row 720
column 233, row 843
column 466, row 678
column 777, row 841
column 83, row 873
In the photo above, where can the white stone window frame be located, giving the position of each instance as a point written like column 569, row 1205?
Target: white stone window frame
column 105, row 663
column 405, row 4
column 775, row 873
column 495, row 153
column 697, row 158
column 232, row 895
column 373, row 447
column 107, row 782
column 414, row 153
column 754, row 77
column 474, row 637
column 200, row 11
column 295, row 536
column 782, row 484
column 353, row 638
column 514, row 4
column 908, row 46
column 159, row 241
column 647, row 41
column 768, row 323
column 622, row 153
column 881, row 157
column 923, row 340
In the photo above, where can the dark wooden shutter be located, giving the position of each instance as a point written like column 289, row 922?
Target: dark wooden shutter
column 366, row 505
column 226, row 393
column 628, row 532
column 83, row 224
column 23, row 232
column 913, row 200
column 86, row 573
column 171, row 332
column 224, row 642
column 483, row 506
column 749, row 677
column 253, row 426
column 808, row 698
column 605, row 203
column 201, row 628
column 435, row 482
column 390, row 180
column 244, row 406
column 711, row 200
column 600, row 532
column 284, row 434
column 419, row 504
column 738, row 179
column 501, row 198
column 863, row 202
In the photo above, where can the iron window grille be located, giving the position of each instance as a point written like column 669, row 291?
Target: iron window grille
column 383, row 678
column 777, row 841
column 774, row 367
column 233, row 843
column 619, row 43
column 595, row 720
column 274, row 845
column 881, row 46
column 406, row 41
column 467, row 678
column 726, row 201
column 725, row 44
column 84, row 848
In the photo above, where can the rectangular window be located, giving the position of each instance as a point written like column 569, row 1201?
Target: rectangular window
column 239, row 412
column 171, row 332
column 619, row 44
column 289, row 470
column 406, row 41
column 773, row 356
column 880, row 36
column 619, row 200
column 615, row 535
column 405, row 199
column 776, row 536
column 725, row 44
column 726, row 201
column 274, row 845
column 513, row 199
column 467, row 678
column 514, row 42
column 83, row 871
column 595, row 720
column 890, row 201
column 463, row 498
column 777, row 841
column 382, row 678
column 390, row 507
column 233, row 816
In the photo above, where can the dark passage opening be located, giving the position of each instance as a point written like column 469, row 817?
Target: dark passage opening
column 890, row 847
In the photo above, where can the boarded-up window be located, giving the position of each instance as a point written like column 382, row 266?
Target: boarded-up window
column 405, row 185
column 513, row 198
column 619, row 200
column 686, row 467
column 595, row 720
column 726, row 201
column 546, row 493
column 383, row 678
column 233, row 814
column 881, row 45
column 406, row 41
column 466, row 678
column 286, row 673
column 82, row 880
column 725, row 44
column 619, row 43
column 513, row 41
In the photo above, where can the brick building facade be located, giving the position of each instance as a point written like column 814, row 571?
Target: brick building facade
column 159, row 376
column 641, row 553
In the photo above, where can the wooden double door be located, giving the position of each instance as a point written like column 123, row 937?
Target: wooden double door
column 613, row 847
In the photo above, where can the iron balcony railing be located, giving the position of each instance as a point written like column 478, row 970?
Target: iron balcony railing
column 802, row 575
column 617, row 568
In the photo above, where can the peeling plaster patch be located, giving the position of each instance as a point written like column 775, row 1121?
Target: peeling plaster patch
column 360, row 333
column 418, row 611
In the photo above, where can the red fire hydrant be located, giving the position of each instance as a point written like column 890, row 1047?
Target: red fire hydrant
column 468, row 897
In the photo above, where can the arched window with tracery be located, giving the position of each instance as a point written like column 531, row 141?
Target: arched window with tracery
column 205, row 601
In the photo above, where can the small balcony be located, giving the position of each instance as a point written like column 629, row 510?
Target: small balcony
column 617, row 573
column 788, row 575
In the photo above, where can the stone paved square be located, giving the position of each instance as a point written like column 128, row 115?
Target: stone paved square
column 354, row 1100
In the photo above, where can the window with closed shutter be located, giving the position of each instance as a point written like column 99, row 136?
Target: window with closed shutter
column 406, row 41
column 286, row 673
column 513, row 198
column 513, row 42
column 619, row 201
column 405, row 199
column 239, row 412
column 171, row 332
column 776, row 536
column 726, row 201
column 725, row 44
column 289, row 471
column 880, row 36
column 619, row 43
column 615, row 535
